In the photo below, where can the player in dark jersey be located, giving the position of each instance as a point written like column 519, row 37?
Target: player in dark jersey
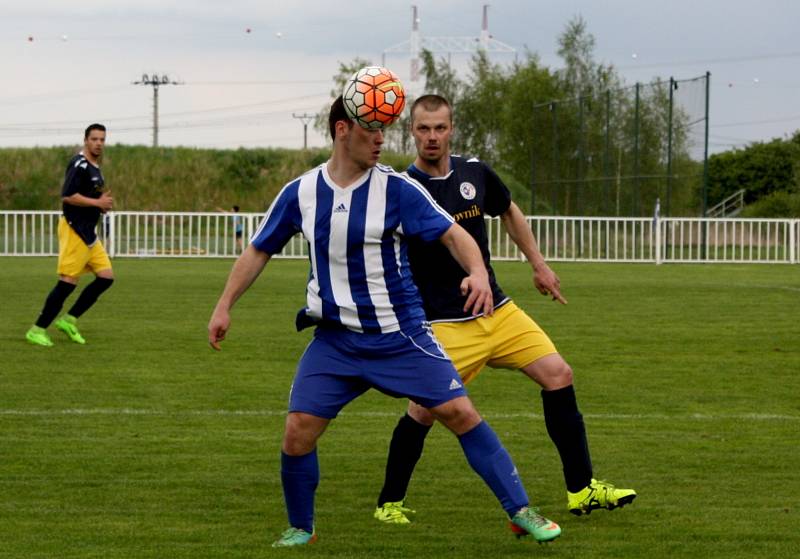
column 509, row 338
column 83, row 198
column 370, row 326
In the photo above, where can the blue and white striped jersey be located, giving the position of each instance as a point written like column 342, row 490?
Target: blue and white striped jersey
column 360, row 276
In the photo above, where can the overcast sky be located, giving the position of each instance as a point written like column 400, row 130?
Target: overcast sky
column 247, row 65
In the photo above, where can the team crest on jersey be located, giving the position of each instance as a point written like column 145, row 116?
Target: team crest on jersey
column 467, row 190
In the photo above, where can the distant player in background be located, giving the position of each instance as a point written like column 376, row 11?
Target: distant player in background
column 238, row 226
column 370, row 326
column 468, row 189
column 83, row 198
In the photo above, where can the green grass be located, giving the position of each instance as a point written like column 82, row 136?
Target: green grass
column 145, row 443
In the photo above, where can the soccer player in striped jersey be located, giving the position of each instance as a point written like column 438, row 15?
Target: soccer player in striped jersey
column 84, row 197
column 508, row 338
column 370, row 328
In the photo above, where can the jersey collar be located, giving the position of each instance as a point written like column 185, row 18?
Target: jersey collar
column 426, row 176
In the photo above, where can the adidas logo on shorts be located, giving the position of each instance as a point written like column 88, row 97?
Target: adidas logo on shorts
column 454, row 384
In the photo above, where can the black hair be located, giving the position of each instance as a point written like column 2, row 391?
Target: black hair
column 337, row 113
column 91, row 127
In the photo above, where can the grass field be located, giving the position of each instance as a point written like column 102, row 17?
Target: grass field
column 145, row 443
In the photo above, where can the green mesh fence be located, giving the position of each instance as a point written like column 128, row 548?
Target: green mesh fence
column 620, row 152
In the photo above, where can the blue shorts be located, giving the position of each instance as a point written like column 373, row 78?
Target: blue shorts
column 340, row 365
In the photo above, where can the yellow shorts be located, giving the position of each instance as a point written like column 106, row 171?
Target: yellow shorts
column 509, row 339
column 75, row 257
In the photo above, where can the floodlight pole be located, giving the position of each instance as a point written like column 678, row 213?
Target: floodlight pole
column 156, row 81
column 305, row 118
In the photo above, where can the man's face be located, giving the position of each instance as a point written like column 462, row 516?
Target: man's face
column 363, row 146
column 432, row 131
column 95, row 143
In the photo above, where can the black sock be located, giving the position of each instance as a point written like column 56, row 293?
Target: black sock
column 565, row 426
column 89, row 295
column 404, row 452
column 54, row 302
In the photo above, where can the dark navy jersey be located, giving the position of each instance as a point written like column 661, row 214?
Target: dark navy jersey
column 82, row 178
column 470, row 190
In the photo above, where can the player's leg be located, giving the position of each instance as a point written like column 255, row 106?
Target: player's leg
column 491, row 461
column 100, row 264
column 37, row 334
column 325, row 381
column 564, row 422
column 405, row 450
column 466, row 345
column 567, row 430
column 73, row 254
column 300, row 476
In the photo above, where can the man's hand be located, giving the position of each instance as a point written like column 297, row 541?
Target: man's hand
column 480, row 299
column 218, row 327
column 547, row 282
column 105, row 202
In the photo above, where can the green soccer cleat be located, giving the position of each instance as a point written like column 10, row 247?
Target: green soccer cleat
column 393, row 513
column 295, row 536
column 38, row 336
column 598, row 495
column 69, row 325
column 529, row 521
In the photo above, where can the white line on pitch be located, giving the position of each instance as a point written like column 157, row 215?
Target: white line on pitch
column 269, row 413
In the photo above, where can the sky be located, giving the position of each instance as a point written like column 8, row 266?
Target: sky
column 246, row 68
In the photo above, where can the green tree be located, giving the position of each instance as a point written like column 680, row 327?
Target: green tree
column 761, row 169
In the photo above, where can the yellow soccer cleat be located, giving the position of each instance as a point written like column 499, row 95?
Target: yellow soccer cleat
column 598, row 495
column 38, row 336
column 69, row 325
column 393, row 513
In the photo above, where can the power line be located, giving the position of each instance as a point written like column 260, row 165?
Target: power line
column 181, row 113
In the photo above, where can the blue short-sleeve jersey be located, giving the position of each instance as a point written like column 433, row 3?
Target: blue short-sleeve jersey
column 357, row 237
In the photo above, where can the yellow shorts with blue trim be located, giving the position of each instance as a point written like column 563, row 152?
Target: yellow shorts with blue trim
column 509, row 339
column 75, row 257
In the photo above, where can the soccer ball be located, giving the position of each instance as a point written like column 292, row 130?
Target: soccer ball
column 374, row 97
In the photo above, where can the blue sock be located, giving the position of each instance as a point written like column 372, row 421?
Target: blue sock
column 300, row 477
column 491, row 461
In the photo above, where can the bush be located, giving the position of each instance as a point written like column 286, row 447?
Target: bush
column 776, row 204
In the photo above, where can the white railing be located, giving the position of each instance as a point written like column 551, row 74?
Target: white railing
column 578, row 239
column 729, row 207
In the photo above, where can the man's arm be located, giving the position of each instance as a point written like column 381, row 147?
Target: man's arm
column 466, row 252
column 105, row 202
column 246, row 269
column 545, row 279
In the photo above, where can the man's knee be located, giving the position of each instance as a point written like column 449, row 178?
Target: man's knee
column 301, row 433
column 551, row 372
column 458, row 415
column 562, row 374
column 419, row 414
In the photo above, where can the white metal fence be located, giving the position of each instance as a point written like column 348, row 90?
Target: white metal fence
column 582, row 239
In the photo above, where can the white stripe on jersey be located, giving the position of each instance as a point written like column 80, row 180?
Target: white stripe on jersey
column 265, row 219
column 337, row 258
column 373, row 260
column 307, row 199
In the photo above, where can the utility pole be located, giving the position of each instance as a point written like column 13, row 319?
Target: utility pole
column 305, row 118
column 156, row 81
